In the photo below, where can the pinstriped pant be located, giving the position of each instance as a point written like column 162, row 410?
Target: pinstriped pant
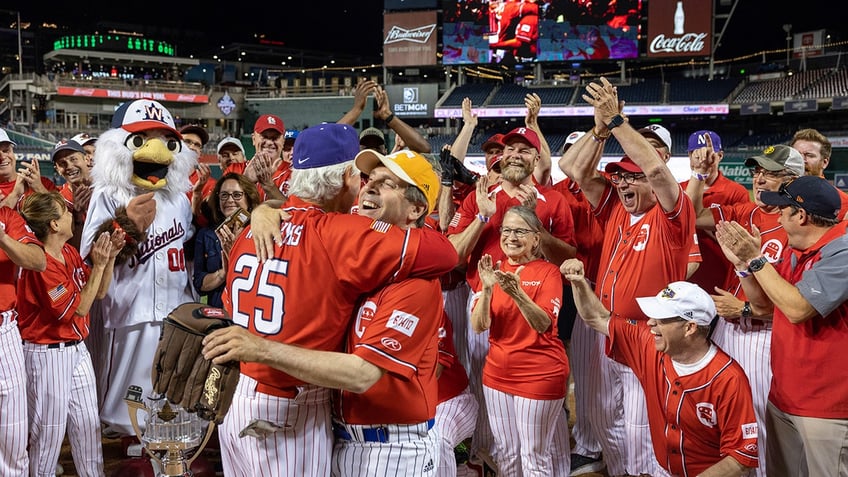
column 62, row 396
column 410, row 450
column 455, row 420
column 523, row 431
column 14, row 459
column 301, row 445
column 583, row 342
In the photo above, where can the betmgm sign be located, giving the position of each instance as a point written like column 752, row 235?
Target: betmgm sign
column 413, row 100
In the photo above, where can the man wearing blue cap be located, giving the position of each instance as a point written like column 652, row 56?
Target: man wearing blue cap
column 302, row 291
column 807, row 412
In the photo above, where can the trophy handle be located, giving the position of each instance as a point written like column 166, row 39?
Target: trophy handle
column 135, row 403
column 209, row 430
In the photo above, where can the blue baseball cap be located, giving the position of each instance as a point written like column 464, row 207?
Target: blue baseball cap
column 325, row 145
column 697, row 140
column 811, row 193
column 144, row 114
column 291, row 134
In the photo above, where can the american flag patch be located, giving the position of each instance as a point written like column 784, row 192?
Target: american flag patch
column 57, row 292
column 380, row 226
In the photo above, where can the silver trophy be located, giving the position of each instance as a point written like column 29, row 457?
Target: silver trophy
column 172, row 436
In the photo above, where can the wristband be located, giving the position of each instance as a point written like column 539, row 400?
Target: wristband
column 742, row 273
column 483, row 218
column 389, row 118
column 698, row 176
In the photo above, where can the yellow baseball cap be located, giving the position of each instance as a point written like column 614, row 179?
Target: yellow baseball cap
column 411, row 167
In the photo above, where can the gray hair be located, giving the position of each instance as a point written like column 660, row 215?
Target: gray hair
column 320, row 184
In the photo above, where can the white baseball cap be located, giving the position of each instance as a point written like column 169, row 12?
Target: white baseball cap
column 230, row 140
column 680, row 300
column 83, row 138
column 4, row 137
column 658, row 132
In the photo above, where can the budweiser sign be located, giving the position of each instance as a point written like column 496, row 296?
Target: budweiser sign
column 688, row 43
column 415, row 35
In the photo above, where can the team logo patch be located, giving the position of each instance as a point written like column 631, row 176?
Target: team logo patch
column 641, row 240
column 706, row 414
column 391, row 343
column 403, row 322
column 750, row 430
column 364, row 317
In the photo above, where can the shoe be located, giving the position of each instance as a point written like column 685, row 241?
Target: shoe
column 580, row 464
column 460, row 453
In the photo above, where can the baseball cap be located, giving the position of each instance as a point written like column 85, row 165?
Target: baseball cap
column 658, row 132
column 811, row 193
column 410, row 166
column 198, row 130
column 230, row 140
column 524, row 134
column 372, row 132
column 493, row 160
column 66, row 145
column 680, row 300
column 143, row 114
column 291, row 134
column 496, row 140
column 83, row 138
column 4, row 137
column 778, row 158
column 697, row 141
column 269, row 121
column 625, row 164
column 571, row 139
column 324, row 145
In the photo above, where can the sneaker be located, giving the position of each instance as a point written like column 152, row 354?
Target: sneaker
column 580, row 464
column 460, row 453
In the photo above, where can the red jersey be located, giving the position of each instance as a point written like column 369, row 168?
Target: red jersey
column 639, row 257
column 809, row 378
column 48, row 300
column 7, row 187
column 696, row 419
column 16, row 228
column 522, row 361
column 551, row 209
column 454, row 379
column 774, row 239
column 715, row 267
column 585, row 226
column 281, row 177
column 306, row 293
column 397, row 329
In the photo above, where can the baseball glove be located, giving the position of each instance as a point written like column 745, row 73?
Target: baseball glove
column 180, row 371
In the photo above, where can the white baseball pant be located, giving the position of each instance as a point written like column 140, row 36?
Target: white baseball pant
column 749, row 343
column 62, row 395
column 583, row 343
column 294, row 436
column 523, row 432
column 456, row 306
column 478, row 348
column 408, row 449
column 455, row 421
column 561, row 447
column 14, row 424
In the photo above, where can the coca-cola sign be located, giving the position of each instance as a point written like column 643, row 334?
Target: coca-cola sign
column 679, row 28
column 409, row 39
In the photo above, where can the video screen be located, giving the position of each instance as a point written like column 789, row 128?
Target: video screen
column 529, row 31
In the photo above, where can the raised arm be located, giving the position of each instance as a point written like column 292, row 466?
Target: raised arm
column 542, row 172
column 360, row 96
column 701, row 162
column 413, row 140
column 589, row 306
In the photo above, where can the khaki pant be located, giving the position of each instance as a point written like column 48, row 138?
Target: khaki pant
column 805, row 446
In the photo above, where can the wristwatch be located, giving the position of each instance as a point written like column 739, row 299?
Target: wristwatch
column 615, row 122
column 746, row 310
column 757, row 264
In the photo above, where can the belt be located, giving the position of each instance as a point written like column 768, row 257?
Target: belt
column 288, row 393
column 371, row 434
column 64, row 344
column 7, row 316
column 752, row 321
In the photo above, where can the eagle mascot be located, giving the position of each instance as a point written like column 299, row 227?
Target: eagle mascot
column 140, row 181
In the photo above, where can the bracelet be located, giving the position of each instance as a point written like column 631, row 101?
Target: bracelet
column 389, row 118
column 599, row 138
column 742, row 273
column 698, row 176
column 483, row 218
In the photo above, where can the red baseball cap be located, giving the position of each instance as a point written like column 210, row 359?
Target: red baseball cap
column 495, row 141
column 494, row 160
column 523, row 134
column 269, row 121
column 625, row 164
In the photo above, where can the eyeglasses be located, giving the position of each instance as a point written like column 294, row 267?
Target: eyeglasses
column 192, row 143
column 616, row 178
column 519, row 233
column 785, row 193
column 768, row 174
column 225, row 196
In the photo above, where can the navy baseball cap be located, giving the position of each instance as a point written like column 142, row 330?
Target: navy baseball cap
column 144, row 114
column 325, row 145
column 66, row 145
column 811, row 193
column 291, row 134
column 697, row 140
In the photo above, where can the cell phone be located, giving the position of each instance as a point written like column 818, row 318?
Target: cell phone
column 238, row 219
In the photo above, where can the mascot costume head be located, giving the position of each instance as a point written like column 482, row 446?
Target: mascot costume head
column 143, row 152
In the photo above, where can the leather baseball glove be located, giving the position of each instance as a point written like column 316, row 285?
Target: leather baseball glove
column 180, row 371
